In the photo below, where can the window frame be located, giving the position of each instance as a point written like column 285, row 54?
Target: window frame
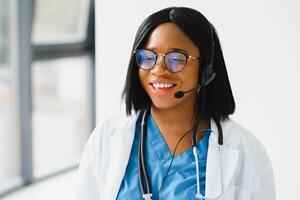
column 26, row 53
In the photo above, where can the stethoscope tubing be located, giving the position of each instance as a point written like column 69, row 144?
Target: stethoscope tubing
column 142, row 168
column 143, row 175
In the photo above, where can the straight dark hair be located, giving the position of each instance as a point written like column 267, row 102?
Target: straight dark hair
column 216, row 99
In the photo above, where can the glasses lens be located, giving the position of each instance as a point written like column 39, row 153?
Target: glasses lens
column 145, row 59
column 175, row 61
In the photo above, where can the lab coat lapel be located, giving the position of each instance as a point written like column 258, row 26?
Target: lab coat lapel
column 221, row 164
column 120, row 145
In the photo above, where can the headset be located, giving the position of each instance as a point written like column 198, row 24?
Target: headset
column 207, row 77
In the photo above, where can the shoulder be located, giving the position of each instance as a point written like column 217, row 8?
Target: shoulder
column 95, row 157
column 110, row 126
column 251, row 149
column 253, row 170
column 98, row 141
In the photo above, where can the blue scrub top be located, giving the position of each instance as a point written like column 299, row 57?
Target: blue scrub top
column 181, row 180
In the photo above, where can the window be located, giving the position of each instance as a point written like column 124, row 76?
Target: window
column 60, row 21
column 46, row 67
column 9, row 139
column 61, row 83
column 61, row 111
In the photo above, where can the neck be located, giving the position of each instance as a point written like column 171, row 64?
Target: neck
column 174, row 122
column 179, row 118
column 173, row 116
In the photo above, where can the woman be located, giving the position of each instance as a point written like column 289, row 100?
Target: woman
column 177, row 140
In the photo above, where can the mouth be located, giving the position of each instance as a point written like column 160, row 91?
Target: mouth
column 162, row 88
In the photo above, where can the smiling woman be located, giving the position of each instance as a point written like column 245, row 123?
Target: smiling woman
column 180, row 142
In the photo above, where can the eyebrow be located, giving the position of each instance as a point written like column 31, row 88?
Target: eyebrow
column 172, row 49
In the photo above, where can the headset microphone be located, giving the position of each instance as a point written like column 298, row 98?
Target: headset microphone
column 180, row 94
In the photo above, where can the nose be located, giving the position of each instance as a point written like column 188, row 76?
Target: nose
column 159, row 67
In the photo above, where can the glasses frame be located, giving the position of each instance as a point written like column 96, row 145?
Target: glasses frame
column 187, row 56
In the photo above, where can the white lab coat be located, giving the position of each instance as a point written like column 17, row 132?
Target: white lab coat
column 246, row 170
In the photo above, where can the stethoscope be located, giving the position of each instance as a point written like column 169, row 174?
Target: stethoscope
column 143, row 175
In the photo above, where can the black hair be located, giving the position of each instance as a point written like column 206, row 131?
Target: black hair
column 216, row 99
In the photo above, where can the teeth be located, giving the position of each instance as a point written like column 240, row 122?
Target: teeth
column 162, row 85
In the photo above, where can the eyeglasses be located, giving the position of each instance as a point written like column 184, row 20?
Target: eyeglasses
column 175, row 61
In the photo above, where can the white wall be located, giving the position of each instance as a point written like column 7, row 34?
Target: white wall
column 261, row 46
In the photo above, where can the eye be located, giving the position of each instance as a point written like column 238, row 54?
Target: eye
column 177, row 59
column 149, row 57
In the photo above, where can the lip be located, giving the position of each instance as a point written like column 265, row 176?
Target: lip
column 162, row 91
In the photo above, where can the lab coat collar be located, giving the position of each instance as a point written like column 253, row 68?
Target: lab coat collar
column 221, row 163
column 119, row 144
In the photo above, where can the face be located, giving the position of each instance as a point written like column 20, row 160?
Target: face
column 163, row 39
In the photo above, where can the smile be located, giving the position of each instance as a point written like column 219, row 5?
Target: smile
column 162, row 85
column 162, row 88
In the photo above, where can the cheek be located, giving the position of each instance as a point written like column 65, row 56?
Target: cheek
column 142, row 77
column 196, row 74
column 196, row 70
column 190, row 77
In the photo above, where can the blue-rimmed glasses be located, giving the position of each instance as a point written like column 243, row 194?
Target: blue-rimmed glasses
column 175, row 61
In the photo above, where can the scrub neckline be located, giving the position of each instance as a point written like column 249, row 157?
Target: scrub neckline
column 163, row 153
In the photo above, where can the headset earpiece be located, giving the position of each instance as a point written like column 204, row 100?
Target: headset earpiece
column 208, row 73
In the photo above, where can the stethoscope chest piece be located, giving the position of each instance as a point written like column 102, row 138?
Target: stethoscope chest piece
column 147, row 196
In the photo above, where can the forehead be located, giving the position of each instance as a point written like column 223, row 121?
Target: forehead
column 168, row 36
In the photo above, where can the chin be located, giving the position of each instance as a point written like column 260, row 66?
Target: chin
column 169, row 103
column 164, row 104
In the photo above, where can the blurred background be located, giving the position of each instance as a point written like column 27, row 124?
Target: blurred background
column 52, row 92
column 47, row 93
